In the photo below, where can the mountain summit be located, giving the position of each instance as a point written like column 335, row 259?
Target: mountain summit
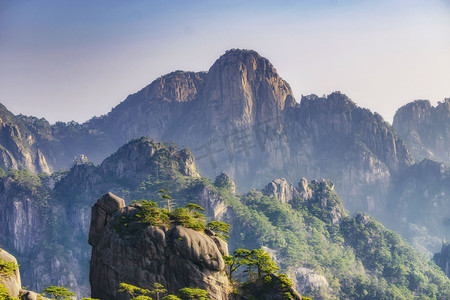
column 244, row 88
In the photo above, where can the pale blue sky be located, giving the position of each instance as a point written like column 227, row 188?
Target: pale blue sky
column 71, row 60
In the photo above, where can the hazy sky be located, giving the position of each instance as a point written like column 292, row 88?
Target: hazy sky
column 71, row 60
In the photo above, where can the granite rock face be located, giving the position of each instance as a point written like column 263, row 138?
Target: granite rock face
column 141, row 255
column 282, row 190
column 19, row 147
column 243, row 88
column 11, row 282
column 305, row 280
column 425, row 129
column 28, row 219
column 316, row 192
column 442, row 259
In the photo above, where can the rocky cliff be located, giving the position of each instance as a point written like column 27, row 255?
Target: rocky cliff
column 19, row 145
column 425, row 129
column 419, row 207
column 47, row 217
column 442, row 259
column 138, row 254
column 35, row 227
column 10, row 279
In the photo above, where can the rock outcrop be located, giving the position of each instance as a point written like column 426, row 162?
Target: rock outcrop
column 313, row 193
column 138, row 254
column 442, row 259
column 10, row 280
column 306, row 280
column 282, row 190
column 19, row 148
column 425, row 129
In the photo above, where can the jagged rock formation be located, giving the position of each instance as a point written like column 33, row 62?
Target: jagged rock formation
column 139, row 254
column 282, row 190
column 18, row 143
column 442, row 259
column 285, row 192
column 425, row 129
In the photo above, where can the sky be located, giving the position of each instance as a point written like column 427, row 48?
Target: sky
column 72, row 60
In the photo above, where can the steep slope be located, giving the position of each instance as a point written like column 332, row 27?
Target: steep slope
column 35, row 226
column 425, row 129
column 36, row 145
column 10, row 283
column 421, row 207
column 153, row 110
column 19, row 142
column 303, row 230
column 334, row 138
column 442, row 259
column 328, row 254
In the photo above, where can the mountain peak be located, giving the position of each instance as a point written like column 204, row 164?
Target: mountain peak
column 241, row 54
column 242, row 88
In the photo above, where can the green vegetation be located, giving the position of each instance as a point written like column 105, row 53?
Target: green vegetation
column 218, row 226
column 4, row 295
column 136, row 292
column 149, row 213
column 3, row 292
column 58, row 292
column 26, row 184
column 194, row 294
column 259, row 274
column 311, row 233
column 358, row 260
column 158, row 289
column 7, row 268
column 257, row 259
column 170, row 297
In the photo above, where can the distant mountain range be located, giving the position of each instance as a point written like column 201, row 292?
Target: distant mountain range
column 241, row 118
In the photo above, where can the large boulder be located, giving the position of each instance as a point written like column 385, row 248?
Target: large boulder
column 125, row 250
